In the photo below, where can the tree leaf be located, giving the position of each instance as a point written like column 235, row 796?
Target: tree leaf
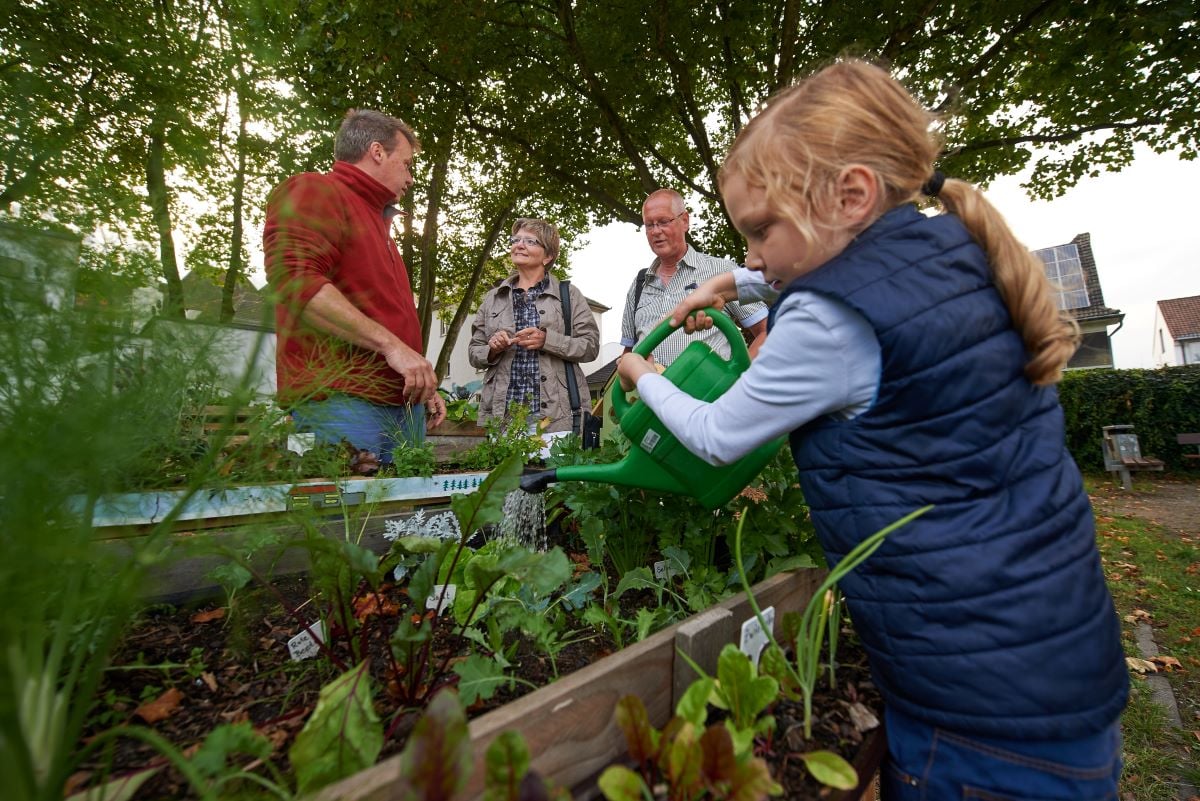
column 343, row 736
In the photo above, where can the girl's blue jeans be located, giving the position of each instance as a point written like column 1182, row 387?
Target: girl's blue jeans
column 932, row 764
column 365, row 425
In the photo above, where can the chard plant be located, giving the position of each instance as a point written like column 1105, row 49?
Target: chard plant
column 690, row 758
column 808, row 633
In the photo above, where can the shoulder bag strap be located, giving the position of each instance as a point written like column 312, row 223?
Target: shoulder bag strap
column 564, row 288
column 642, row 275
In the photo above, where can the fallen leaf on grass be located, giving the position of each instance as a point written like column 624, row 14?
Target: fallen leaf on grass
column 160, row 708
column 1168, row 663
column 209, row 615
column 1140, row 665
column 1138, row 615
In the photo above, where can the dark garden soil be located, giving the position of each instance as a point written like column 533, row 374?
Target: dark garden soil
column 843, row 718
column 183, row 671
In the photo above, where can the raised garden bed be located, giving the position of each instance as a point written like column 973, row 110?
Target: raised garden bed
column 569, row 726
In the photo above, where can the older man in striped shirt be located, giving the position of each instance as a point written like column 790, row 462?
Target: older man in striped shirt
column 677, row 270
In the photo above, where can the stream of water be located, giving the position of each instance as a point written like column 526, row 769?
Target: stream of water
column 524, row 520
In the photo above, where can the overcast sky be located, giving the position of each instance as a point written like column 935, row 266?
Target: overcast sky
column 1144, row 222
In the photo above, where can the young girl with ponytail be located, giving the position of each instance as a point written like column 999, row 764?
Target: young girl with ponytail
column 912, row 359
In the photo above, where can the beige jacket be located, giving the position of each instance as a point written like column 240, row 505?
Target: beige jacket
column 496, row 314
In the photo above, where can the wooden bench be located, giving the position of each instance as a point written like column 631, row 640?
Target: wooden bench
column 1123, row 454
column 1189, row 439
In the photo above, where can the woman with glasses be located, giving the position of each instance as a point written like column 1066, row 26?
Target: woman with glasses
column 520, row 339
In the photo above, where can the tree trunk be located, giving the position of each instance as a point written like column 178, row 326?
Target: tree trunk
column 160, row 209
column 429, row 237
column 234, row 274
column 495, row 228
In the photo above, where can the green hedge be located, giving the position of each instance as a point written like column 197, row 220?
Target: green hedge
column 1158, row 404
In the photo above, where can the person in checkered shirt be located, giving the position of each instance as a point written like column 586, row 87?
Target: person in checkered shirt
column 677, row 270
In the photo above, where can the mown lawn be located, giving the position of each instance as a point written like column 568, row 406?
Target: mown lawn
column 1154, row 575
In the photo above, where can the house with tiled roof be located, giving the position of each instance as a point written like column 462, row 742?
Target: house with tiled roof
column 1071, row 269
column 1177, row 332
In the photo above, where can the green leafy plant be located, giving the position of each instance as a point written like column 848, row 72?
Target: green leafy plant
column 690, row 760
column 812, row 626
column 506, row 437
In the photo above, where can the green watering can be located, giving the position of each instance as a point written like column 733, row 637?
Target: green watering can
column 658, row 461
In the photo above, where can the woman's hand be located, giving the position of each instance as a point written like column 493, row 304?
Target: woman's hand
column 631, row 367
column 498, row 343
column 713, row 292
column 530, row 338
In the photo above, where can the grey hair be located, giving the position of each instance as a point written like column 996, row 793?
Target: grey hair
column 678, row 206
column 361, row 127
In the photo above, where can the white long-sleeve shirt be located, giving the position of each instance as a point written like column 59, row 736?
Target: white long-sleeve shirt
column 821, row 357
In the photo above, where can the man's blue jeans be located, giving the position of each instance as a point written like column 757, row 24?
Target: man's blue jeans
column 365, row 425
column 932, row 764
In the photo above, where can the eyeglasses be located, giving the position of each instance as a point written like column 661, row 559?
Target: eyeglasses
column 528, row 241
column 650, row 226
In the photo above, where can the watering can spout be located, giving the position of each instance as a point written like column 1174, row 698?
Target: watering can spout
column 537, row 482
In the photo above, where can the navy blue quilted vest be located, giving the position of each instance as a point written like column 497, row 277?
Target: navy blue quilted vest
column 989, row 614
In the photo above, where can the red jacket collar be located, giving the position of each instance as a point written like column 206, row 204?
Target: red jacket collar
column 363, row 185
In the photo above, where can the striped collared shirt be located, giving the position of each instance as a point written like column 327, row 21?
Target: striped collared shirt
column 658, row 301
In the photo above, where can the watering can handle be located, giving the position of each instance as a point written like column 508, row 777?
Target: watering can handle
column 738, row 354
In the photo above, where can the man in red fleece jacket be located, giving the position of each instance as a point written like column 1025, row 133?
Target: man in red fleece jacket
column 349, row 358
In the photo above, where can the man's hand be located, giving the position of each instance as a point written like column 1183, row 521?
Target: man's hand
column 631, row 367
column 530, row 338
column 420, row 382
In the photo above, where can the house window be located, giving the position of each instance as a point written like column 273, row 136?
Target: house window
column 1065, row 272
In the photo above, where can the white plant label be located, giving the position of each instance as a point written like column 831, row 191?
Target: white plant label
column 663, row 570
column 304, row 645
column 301, row 444
column 432, row 601
column 754, row 639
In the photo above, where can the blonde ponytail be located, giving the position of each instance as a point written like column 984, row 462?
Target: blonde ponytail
column 1050, row 336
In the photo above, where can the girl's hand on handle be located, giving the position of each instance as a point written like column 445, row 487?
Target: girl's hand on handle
column 713, row 292
column 631, row 367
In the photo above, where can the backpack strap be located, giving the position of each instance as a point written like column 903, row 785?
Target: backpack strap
column 640, row 284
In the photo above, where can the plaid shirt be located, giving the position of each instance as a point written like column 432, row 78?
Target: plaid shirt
column 524, row 382
column 658, row 301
